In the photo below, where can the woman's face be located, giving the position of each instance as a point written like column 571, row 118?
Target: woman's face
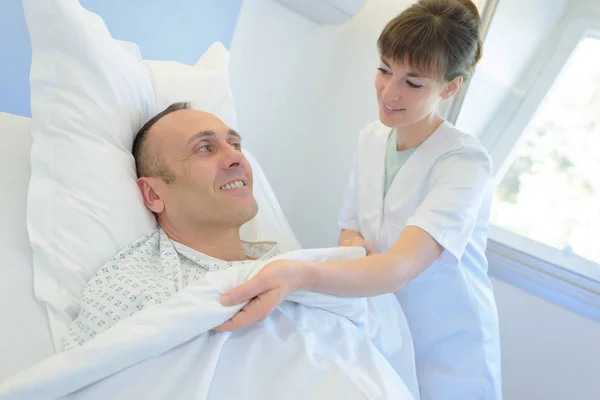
column 406, row 96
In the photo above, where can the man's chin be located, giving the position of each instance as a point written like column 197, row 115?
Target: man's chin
column 252, row 212
column 247, row 213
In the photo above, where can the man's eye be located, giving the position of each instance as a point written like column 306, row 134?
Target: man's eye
column 237, row 146
column 206, row 148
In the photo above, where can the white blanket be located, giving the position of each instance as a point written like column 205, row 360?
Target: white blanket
column 313, row 346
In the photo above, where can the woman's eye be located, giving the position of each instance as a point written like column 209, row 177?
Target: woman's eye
column 414, row 85
column 383, row 71
column 205, row 148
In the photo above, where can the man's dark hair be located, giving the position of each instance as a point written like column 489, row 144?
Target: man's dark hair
column 148, row 162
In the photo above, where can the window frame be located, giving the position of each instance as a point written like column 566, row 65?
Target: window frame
column 544, row 279
column 506, row 140
column 561, row 278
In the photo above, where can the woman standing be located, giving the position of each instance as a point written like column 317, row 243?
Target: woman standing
column 418, row 201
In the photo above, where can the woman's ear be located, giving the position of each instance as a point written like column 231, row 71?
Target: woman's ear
column 452, row 87
column 149, row 187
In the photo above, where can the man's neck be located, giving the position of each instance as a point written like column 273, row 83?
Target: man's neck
column 223, row 244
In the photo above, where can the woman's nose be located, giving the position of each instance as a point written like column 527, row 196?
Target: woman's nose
column 390, row 92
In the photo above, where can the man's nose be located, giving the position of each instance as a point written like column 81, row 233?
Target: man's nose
column 232, row 158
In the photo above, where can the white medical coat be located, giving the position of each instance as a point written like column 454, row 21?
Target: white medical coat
column 444, row 188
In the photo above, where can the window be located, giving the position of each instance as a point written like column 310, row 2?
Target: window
column 549, row 199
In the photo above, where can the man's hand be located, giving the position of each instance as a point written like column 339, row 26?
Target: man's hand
column 267, row 290
column 360, row 242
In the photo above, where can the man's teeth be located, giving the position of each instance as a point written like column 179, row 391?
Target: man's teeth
column 233, row 185
column 392, row 109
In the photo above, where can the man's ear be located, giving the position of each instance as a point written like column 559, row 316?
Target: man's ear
column 452, row 87
column 149, row 187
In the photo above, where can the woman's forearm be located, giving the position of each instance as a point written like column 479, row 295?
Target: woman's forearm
column 361, row 277
column 414, row 251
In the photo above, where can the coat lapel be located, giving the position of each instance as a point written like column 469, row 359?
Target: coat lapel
column 409, row 179
column 372, row 171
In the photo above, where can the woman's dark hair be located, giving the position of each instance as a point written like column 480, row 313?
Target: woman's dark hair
column 435, row 35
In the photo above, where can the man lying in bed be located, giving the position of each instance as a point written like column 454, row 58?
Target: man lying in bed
column 149, row 311
column 195, row 179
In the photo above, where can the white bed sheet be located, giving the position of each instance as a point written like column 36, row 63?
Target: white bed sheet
column 24, row 333
column 314, row 346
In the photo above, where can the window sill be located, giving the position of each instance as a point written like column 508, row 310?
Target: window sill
column 543, row 279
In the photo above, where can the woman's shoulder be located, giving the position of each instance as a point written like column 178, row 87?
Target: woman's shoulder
column 453, row 141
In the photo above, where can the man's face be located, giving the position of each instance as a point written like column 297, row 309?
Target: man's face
column 213, row 180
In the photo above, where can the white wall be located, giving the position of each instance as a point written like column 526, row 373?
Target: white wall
column 348, row 105
column 547, row 352
column 279, row 66
column 303, row 92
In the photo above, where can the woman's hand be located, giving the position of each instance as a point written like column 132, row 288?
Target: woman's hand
column 267, row 290
column 358, row 241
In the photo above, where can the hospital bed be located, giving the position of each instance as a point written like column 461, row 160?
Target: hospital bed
column 25, row 335
column 24, row 331
column 89, row 181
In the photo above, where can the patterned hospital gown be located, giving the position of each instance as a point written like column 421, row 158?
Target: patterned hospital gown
column 147, row 272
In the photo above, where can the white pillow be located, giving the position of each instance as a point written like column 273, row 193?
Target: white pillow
column 270, row 223
column 174, row 81
column 89, row 95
